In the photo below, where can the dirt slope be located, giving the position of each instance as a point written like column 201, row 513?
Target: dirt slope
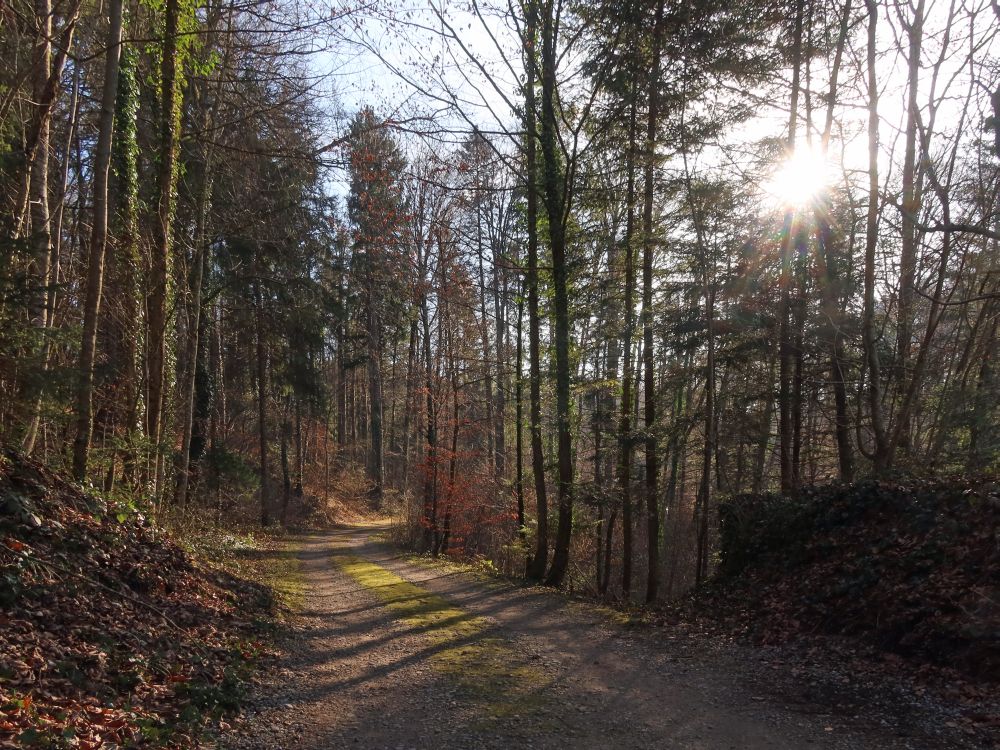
column 393, row 654
column 111, row 635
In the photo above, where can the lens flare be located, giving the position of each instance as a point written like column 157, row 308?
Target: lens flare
column 799, row 179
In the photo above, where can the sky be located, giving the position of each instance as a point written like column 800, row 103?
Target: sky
column 412, row 60
column 396, row 58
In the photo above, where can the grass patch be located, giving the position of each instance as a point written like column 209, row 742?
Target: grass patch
column 484, row 572
column 411, row 603
column 487, row 669
column 263, row 557
column 285, row 578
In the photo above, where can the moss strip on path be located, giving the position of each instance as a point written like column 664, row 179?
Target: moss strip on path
column 485, row 668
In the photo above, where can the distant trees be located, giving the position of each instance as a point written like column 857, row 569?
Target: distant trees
column 375, row 210
column 767, row 321
column 602, row 288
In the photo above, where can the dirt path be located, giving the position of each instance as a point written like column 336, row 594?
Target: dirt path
column 395, row 654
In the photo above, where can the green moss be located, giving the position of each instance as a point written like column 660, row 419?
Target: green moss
column 410, row 603
column 285, row 578
column 487, row 669
column 487, row 574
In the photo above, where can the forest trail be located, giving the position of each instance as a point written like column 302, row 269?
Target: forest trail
column 393, row 653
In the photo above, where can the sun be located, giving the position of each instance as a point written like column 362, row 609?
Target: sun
column 800, row 178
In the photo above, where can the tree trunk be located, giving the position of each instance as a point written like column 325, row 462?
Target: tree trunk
column 910, row 209
column 649, row 386
column 555, row 205
column 502, row 334
column 159, row 271
column 300, row 451
column 881, row 458
column 536, row 568
column 120, row 306
column 409, row 406
column 430, row 431
column 342, row 385
column 786, row 359
column 519, row 419
column 375, row 450
column 37, row 195
column 187, row 389
column 625, row 424
column 265, row 499
column 830, row 277
column 705, row 489
column 98, row 243
column 286, row 476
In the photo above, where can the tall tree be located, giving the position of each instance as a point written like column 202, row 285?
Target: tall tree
column 554, row 187
column 171, row 73
column 375, row 209
column 538, row 563
column 98, row 242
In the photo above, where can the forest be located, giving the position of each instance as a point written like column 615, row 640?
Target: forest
column 558, row 288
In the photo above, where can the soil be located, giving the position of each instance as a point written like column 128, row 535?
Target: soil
column 511, row 666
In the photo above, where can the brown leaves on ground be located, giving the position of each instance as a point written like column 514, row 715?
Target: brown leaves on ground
column 110, row 634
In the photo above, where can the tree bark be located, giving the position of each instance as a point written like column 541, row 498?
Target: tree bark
column 625, row 423
column 48, row 73
column 202, row 241
column 831, row 292
column 430, row 433
column 910, row 210
column 375, row 450
column 786, row 358
column 649, row 386
column 519, row 419
column 409, row 405
column 265, row 499
column 537, row 565
column 705, row 488
column 286, row 477
column 881, row 458
column 98, row 243
column 160, row 265
column 555, row 205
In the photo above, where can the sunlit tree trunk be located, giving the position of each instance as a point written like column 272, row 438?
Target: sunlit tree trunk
column 45, row 89
column 430, row 426
column 265, row 495
column 409, row 405
column 500, row 313
column 375, row 446
column 786, row 358
column 286, row 474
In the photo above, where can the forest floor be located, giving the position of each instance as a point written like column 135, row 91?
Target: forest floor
column 393, row 651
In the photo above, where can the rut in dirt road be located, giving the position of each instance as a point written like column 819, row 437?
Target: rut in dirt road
column 394, row 654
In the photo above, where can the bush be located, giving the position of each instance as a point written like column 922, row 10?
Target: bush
column 912, row 566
